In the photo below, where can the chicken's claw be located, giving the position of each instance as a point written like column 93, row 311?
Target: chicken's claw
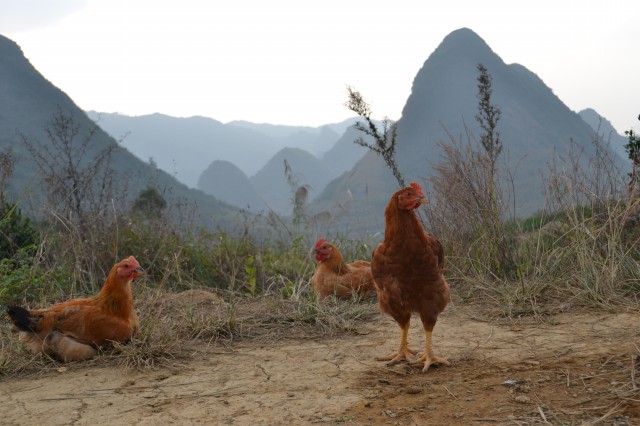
column 397, row 357
column 426, row 361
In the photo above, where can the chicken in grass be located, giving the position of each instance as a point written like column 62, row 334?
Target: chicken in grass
column 73, row 330
column 333, row 276
column 408, row 268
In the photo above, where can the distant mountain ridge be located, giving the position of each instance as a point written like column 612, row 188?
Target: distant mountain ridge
column 185, row 147
column 316, row 140
column 191, row 148
column 28, row 103
column 225, row 181
column 346, row 180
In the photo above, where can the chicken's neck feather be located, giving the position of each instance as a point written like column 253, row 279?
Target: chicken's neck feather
column 116, row 296
column 336, row 262
column 401, row 226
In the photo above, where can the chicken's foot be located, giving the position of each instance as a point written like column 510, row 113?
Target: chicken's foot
column 428, row 358
column 403, row 351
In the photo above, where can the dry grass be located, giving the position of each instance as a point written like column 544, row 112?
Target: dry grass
column 174, row 326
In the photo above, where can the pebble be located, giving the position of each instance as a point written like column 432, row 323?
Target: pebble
column 390, row 413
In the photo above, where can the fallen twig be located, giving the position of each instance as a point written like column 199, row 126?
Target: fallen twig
column 263, row 371
column 544, row 418
column 455, row 397
column 611, row 412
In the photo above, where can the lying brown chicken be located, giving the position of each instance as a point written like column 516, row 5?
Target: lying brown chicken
column 408, row 271
column 334, row 276
column 73, row 330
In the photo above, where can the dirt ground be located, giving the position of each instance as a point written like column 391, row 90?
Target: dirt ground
column 572, row 368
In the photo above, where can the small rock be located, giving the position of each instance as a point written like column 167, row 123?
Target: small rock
column 389, row 413
column 523, row 399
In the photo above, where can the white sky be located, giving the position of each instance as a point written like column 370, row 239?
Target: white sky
column 289, row 61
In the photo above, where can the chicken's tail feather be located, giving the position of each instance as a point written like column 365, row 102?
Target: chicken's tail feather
column 22, row 318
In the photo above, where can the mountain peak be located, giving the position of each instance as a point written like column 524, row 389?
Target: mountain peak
column 452, row 64
column 463, row 43
column 463, row 34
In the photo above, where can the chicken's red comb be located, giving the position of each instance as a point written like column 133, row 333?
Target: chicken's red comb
column 319, row 243
column 417, row 187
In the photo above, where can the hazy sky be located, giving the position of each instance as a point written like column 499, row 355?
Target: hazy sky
column 289, row 61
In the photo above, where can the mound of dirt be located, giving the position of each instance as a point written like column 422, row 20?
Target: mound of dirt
column 192, row 302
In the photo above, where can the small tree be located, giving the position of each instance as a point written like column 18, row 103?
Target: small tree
column 7, row 161
column 385, row 142
column 469, row 208
column 300, row 194
column 78, row 175
column 488, row 117
column 79, row 186
column 633, row 151
column 149, row 204
column 16, row 230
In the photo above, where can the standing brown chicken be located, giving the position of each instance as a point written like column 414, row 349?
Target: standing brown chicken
column 334, row 276
column 73, row 330
column 407, row 268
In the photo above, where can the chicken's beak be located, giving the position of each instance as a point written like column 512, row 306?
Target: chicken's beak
column 421, row 200
column 139, row 271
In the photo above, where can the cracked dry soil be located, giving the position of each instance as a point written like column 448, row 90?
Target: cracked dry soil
column 573, row 368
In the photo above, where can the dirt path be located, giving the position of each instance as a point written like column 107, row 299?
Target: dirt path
column 571, row 369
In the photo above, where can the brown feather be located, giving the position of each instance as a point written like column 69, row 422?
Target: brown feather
column 407, row 268
column 334, row 276
column 90, row 322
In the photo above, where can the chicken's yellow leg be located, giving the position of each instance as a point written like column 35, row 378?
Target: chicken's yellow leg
column 403, row 352
column 428, row 358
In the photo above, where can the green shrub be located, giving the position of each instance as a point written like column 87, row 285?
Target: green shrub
column 16, row 230
column 23, row 279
